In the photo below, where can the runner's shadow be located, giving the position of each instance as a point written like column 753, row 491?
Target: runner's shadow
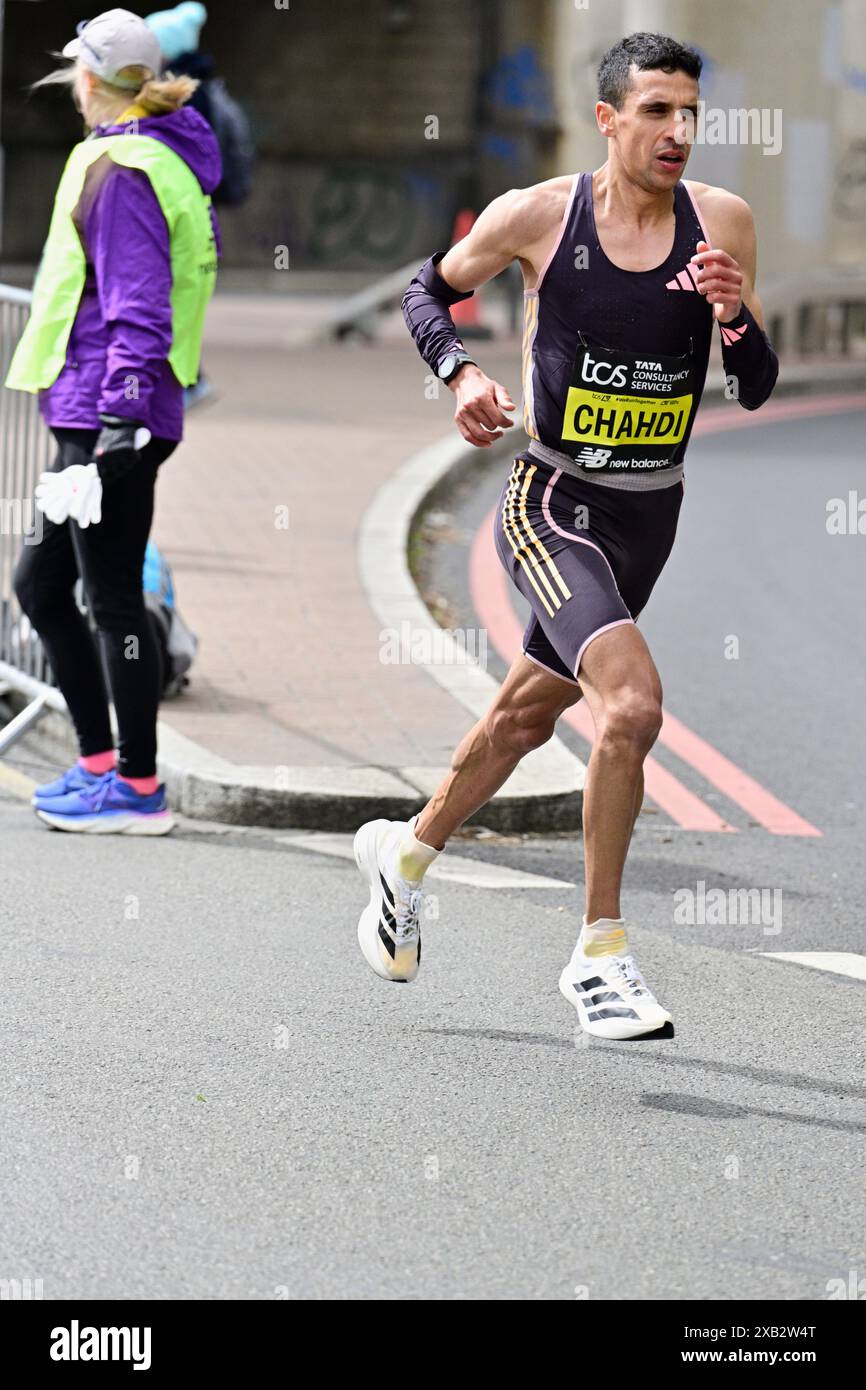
column 544, row 1039
column 501, row 1035
column 724, row 1110
column 762, row 1075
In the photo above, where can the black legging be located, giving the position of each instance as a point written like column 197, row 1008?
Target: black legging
column 110, row 558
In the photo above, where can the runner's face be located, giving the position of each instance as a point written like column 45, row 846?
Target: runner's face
column 652, row 134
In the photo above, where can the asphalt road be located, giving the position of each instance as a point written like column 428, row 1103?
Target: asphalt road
column 207, row 1094
column 753, row 560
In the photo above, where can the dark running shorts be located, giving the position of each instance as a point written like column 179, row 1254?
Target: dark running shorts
column 585, row 556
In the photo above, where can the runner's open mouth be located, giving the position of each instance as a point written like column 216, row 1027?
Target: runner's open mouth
column 672, row 158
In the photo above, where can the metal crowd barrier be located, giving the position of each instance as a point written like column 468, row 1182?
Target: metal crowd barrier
column 25, row 451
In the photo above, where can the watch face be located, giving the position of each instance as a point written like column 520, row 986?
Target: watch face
column 447, row 366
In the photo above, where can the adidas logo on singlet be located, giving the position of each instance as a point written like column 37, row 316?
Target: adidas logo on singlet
column 683, row 280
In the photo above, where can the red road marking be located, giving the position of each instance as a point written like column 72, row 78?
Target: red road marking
column 773, row 814
column 490, row 591
column 723, row 417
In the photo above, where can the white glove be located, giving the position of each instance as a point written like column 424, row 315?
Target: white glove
column 54, row 491
column 86, row 503
column 76, row 491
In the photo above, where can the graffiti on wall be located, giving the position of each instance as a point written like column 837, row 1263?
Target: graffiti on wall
column 364, row 212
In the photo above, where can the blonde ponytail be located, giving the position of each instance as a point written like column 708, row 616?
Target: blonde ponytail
column 157, row 95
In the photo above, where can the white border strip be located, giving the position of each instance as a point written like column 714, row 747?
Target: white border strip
column 836, row 962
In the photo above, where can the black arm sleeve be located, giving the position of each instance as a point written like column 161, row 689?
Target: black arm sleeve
column 748, row 356
column 427, row 311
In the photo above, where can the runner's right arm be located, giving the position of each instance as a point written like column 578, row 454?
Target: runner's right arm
column 501, row 234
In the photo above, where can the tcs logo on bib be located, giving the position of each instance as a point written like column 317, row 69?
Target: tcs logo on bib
column 598, row 373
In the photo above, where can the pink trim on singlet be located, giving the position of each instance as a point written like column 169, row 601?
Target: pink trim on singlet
column 570, row 535
column 694, row 203
column 556, row 245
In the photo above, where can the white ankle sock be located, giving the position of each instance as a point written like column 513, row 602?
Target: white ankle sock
column 606, row 936
column 413, row 857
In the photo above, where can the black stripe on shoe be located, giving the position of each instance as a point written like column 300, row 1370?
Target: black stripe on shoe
column 593, row 982
column 605, row 997
column 386, row 940
column 387, row 902
column 611, row 1013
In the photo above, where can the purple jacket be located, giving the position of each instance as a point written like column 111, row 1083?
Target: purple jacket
column 123, row 324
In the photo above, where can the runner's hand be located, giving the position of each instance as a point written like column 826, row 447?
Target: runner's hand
column 720, row 279
column 481, row 405
column 116, row 450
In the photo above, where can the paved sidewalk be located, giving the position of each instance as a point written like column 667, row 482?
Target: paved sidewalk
column 289, row 670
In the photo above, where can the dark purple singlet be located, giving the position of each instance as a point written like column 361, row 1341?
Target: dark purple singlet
column 614, row 363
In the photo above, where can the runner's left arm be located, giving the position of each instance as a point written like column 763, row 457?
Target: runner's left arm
column 728, row 280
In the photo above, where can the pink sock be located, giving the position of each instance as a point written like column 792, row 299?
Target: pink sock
column 99, row 762
column 145, row 786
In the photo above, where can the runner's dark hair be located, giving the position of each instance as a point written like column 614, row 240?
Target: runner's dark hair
column 644, row 51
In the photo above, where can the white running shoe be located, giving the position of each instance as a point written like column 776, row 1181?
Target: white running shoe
column 389, row 929
column 612, row 998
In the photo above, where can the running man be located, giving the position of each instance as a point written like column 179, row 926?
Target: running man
column 625, row 270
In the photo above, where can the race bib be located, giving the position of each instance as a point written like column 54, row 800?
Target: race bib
column 628, row 413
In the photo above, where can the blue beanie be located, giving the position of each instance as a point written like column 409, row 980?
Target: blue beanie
column 178, row 30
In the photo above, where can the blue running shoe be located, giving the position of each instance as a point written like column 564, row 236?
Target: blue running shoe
column 110, row 807
column 75, row 779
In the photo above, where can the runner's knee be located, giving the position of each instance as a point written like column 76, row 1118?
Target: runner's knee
column 520, row 729
column 632, row 717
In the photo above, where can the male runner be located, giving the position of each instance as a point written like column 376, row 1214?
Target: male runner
column 625, row 270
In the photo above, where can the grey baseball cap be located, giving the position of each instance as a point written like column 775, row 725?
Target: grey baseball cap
column 114, row 40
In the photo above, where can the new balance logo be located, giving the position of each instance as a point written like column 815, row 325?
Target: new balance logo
column 593, row 458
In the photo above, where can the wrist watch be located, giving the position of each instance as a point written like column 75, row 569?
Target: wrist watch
column 450, row 365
